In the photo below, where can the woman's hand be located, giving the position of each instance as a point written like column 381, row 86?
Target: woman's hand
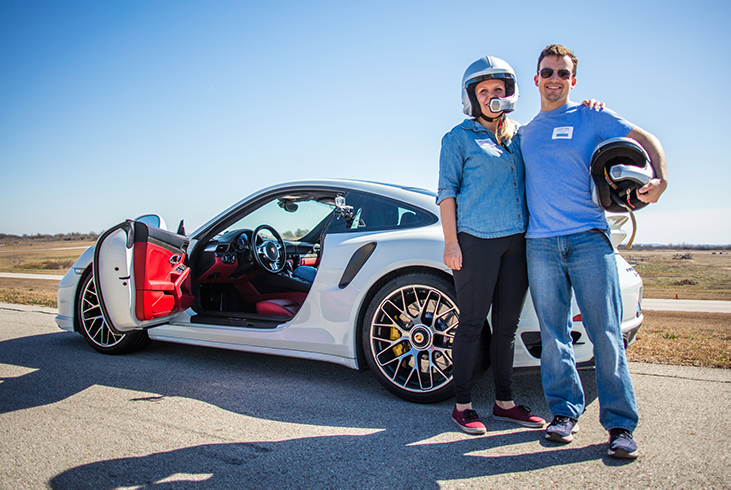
column 594, row 104
column 453, row 256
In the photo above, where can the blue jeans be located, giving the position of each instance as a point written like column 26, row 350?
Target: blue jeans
column 305, row 272
column 586, row 262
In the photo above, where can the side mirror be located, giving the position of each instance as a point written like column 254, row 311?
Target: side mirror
column 154, row 220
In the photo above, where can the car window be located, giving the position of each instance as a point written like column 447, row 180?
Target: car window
column 377, row 213
column 293, row 220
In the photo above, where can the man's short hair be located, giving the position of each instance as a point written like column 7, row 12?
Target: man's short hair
column 559, row 51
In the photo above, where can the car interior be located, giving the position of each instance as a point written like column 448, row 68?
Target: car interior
column 263, row 265
column 256, row 268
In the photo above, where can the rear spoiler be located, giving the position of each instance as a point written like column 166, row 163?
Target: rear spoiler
column 615, row 222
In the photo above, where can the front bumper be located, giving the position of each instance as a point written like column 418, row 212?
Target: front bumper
column 67, row 288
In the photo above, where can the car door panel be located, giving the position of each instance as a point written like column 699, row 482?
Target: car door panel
column 141, row 276
column 162, row 280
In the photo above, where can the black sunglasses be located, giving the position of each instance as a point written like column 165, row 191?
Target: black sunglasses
column 563, row 73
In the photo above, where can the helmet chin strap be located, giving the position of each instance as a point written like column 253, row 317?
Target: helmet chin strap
column 491, row 119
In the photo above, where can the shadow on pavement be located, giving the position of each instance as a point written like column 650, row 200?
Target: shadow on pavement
column 312, row 463
column 286, row 390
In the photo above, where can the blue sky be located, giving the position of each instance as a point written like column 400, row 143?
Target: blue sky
column 112, row 109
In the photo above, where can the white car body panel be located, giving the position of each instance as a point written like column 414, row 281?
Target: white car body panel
column 115, row 280
column 325, row 323
column 326, row 326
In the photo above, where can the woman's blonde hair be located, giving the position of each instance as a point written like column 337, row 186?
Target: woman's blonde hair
column 506, row 129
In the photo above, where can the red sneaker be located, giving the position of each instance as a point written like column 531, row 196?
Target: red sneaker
column 468, row 421
column 519, row 414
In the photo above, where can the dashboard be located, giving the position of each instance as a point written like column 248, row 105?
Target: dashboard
column 226, row 257
column 229, row 256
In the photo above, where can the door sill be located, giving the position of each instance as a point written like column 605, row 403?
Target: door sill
column 248, row 320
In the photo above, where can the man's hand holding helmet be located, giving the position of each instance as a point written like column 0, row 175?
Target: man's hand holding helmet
column 651, row 192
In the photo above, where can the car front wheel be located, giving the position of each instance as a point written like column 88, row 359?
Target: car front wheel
column 407, row 336
column 91, row 324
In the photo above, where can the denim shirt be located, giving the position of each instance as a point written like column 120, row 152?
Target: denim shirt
column 486, row 178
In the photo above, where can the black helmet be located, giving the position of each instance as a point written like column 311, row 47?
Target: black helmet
column 620, row 166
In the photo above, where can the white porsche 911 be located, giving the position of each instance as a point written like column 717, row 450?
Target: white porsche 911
column 341, row 271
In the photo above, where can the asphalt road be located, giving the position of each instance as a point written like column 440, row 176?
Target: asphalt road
column 175, row 416
column 708, row 306
column 20, row 275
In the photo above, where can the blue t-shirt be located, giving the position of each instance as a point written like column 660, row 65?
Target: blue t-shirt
column 487, row 180
column 557, row 146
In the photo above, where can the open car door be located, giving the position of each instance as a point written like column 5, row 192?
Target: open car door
column 141, row 276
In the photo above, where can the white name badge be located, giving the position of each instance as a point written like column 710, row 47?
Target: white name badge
column 564, row 133
column 486, row 144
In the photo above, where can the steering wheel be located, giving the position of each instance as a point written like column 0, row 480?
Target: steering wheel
column 270, row 255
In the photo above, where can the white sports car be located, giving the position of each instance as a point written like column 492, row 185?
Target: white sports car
column 341, row 271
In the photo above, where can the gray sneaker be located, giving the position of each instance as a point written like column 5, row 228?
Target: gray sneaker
column 561, row 429
column 621, row 444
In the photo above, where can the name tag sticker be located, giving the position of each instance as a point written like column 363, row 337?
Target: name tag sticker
column 564, row 133
column 486, row 144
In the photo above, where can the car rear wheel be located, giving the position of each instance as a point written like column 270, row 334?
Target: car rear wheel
column 91, row 324
column 407, row 336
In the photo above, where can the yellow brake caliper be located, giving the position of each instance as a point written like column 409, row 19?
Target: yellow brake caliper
column 399, row 348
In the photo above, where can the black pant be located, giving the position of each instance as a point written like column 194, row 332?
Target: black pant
column 494, row 272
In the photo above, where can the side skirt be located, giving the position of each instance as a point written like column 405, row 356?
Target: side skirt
column 343, row 361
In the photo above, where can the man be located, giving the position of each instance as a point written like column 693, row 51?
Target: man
column 569, row 247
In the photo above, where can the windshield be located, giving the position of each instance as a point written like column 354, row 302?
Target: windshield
column 293, row 220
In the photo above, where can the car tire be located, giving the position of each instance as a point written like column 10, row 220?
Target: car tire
column 91, row 324
column 407, row 337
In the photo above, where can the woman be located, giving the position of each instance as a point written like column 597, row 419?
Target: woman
column 484, row 216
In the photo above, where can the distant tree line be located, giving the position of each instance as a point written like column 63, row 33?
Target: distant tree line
column 299, row 233
column 680, row 246
column 40, row 238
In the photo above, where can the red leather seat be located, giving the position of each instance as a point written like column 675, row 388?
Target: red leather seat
column 285, row 305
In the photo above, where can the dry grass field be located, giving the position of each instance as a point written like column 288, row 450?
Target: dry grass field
column 28, row 292
column 695, row 339
column 701, row 274
column 684, row 339
column 37, row 258
column 41, row 258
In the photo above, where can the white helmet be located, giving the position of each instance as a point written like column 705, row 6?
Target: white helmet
column 487, row 68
